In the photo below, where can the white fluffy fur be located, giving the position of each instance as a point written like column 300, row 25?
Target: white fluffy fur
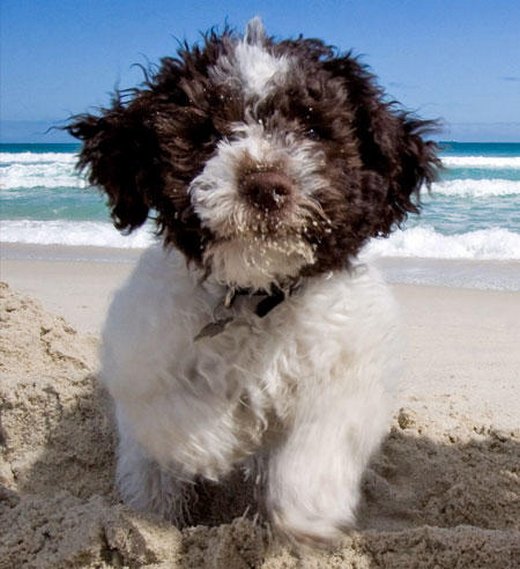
column 308, row 387
column 251, row 68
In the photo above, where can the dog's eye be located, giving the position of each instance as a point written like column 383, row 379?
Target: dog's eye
column 318, row 133
column 315, row 127
column 313, row 134
column 202, row 132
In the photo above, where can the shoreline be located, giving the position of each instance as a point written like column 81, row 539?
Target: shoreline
column 78, row 282
column 492, row 275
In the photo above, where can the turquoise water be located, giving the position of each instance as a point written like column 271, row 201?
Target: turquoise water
column 39, row 182
column 479, row 189
column 473, row 212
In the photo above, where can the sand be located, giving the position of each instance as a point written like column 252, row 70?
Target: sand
column 443, row 492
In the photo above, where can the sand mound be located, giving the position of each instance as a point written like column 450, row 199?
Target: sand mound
column 431, row 499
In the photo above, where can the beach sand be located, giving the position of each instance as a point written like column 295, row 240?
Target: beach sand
column 443, row 492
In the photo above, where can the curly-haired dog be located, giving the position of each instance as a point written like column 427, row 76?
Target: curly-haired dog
column 268, row 165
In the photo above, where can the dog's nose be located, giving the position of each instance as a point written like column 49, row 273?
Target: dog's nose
column 266, row 190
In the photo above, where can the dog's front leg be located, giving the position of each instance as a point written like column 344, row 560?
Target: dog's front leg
column 314, row 476
column 146, row 486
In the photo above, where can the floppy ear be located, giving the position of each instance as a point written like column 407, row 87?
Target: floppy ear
column 396, row 159
column 120, row 153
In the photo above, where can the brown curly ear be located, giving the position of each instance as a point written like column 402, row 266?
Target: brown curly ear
column 120, row 153
column 394, row 154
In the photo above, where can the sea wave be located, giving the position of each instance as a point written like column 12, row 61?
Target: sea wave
column 485, row 244
column 40, row 175
column 489, row 187
column 484, row 162
column 37, row 157
column 424, row 242
column 78, row 233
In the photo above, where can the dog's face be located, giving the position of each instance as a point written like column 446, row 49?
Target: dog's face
column 263, row 160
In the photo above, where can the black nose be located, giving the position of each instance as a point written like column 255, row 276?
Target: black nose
column 266, row 190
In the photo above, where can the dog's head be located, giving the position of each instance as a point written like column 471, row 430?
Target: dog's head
column 263, row 160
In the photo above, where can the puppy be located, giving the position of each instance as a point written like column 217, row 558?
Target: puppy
column 253, row 335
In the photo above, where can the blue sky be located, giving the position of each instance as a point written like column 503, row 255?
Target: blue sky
column 458, row 60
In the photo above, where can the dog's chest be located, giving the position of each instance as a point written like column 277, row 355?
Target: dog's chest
column 240, row 367
column 243, row 349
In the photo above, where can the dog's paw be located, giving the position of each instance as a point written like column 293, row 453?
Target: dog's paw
column 145, row 486
column 306, row 529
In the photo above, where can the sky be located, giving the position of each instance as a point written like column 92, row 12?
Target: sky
column 455, row 60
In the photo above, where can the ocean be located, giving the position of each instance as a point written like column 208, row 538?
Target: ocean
column 467, row 235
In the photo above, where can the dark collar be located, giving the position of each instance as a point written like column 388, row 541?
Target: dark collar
column 271, row 299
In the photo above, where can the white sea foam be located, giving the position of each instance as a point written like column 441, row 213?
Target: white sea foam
column 489, row 187
column 485, row 162
column 40, row 174
column 37, row 157
column 486, row 244
column 80, row 233
column 423, row 242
